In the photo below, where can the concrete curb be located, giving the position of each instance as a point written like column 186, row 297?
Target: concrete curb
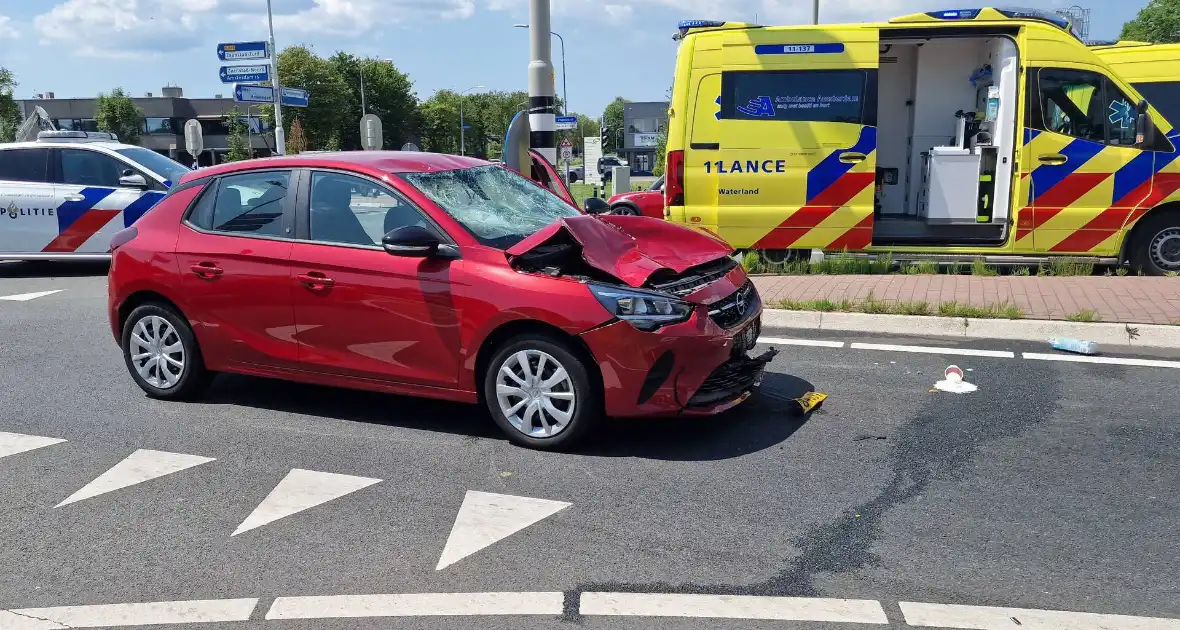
column 1150, row 335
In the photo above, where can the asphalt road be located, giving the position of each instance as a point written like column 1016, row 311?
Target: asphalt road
column 1054, row 486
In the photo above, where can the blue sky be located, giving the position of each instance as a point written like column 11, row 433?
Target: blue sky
column 78, row 48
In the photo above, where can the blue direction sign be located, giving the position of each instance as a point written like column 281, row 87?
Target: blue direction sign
column 254, row 94
column 242, row 51
column 245, row 74
column 293, row 97
column 566, row 122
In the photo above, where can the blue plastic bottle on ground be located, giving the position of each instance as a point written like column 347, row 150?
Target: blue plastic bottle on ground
column 1077, row 346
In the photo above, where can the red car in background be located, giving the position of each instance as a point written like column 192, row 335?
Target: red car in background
column 437, row 276
column 646, row 203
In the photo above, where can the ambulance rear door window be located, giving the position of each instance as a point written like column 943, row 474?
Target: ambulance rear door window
column 845, row 96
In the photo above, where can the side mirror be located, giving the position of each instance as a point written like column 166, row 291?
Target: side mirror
column 411, row 241
column 595, row 205
column 131, row 179
column 1144, row 128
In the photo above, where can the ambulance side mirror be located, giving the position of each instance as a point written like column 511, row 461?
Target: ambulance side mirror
column 1144, row 128
column 131, row 179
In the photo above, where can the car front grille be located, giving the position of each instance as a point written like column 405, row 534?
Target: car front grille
column 731, row 310
column 695, row 278
column 733, row 378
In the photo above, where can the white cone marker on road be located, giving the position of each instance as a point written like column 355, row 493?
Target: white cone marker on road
column 140, row 466
column 485, row 518
column 301, row 490
column 13, row 443
column 25, row 297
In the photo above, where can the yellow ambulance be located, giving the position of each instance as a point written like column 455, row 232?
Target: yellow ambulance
column 1154, row 70
column 964, row 133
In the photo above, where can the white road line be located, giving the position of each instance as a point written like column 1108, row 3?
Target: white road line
column 1074, row 358
column 992, row 618
column 485, row 518
column 25, row 297
column 417, row 605
column 965, row 352
column 111, row 615
column 13, row 443
column 815, row 343
column 734, row 607
column 140, row 466
column 301, row 490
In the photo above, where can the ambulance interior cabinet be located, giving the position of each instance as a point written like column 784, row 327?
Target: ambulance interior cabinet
column 953, row 186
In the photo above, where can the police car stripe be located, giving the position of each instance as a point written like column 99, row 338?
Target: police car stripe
column 81, row 230
column 139, row 207
column 71, row 211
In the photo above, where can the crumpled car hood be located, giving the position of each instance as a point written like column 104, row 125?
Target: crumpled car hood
column 631, row 248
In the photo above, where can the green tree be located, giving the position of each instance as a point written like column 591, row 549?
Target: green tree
column 1158, row 23
column 389, row 94
column 115, row 112
column 328, row 109
column 239, row 137
column 612, row 117
column 9, row 112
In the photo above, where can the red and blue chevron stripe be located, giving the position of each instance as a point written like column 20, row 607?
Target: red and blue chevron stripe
column 78, row 221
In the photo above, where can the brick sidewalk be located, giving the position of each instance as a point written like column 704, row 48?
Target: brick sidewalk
column 1115, row 299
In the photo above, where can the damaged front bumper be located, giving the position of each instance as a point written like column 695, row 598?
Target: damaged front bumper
column 729, row 384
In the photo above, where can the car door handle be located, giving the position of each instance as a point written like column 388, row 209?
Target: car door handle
column 1052, row 158
column 315, row 280
column 207, row 270
column 851, row 157
column 74, row 197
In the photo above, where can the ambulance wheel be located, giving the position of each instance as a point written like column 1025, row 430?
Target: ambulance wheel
column 161, row 353
column 1157, row 244
column 782, row 256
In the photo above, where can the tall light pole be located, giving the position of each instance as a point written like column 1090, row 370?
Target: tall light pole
column 815, row 11
column 280, row 136
column 541, row 119
column 462, row 123
column 565, row 90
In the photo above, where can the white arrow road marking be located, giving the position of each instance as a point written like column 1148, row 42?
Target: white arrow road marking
column 485, row 518
column 417, row 605
column 993, row 618
column 25, row 297
column 140, row 466
column 121, row 615
column 734, row 607
column 13, row 443
column 300, row 490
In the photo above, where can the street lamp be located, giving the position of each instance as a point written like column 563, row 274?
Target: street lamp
column 462, row 123
column 364, row 63
column 565, row 92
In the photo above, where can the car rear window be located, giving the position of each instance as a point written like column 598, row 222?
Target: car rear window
column 24, row 165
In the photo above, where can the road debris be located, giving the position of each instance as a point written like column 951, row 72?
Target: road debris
column 809, row 402
column 952, row 381
column 1076, row 346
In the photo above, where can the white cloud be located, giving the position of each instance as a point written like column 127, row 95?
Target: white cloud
column 351, row 17
column 123, row 28
column 6, row 29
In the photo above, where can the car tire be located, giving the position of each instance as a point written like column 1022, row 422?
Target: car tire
column 625, row 210
column 1156, row 249
column 527, row 425
column 149, row 323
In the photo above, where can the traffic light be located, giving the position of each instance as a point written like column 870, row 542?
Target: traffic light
column 605, row 135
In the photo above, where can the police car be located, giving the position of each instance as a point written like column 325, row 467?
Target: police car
column 65, row 195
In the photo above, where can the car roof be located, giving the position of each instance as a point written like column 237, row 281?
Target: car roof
column 384, row 161
column 50, row 144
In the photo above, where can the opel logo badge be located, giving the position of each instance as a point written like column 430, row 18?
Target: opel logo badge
column 741, row 301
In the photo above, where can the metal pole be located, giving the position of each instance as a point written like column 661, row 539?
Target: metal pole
column 362, row 88
column 462, row 129
column 280, row 136
column 541, row 116
column 565, row 89
column 815, row 11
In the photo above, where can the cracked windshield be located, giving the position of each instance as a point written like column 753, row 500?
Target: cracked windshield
column 847, row 315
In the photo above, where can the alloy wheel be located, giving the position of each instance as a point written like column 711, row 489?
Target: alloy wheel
column 535, row 393
column 157, row 352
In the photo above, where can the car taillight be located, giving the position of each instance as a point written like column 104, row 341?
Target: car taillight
column 122, row 237
column 674, row 182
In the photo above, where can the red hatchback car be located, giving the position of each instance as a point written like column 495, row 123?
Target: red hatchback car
column 646, row 203
column 432, row 275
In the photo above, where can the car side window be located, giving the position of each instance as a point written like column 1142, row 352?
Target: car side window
column 1072, row 104
column 355, row 211
column 250, row 203
column 24, row 165
column 83, row 167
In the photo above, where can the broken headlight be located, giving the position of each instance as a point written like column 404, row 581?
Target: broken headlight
column 643, row 310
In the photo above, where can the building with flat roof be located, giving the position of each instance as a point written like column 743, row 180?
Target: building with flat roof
column 642, row 124
column 162, row 126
